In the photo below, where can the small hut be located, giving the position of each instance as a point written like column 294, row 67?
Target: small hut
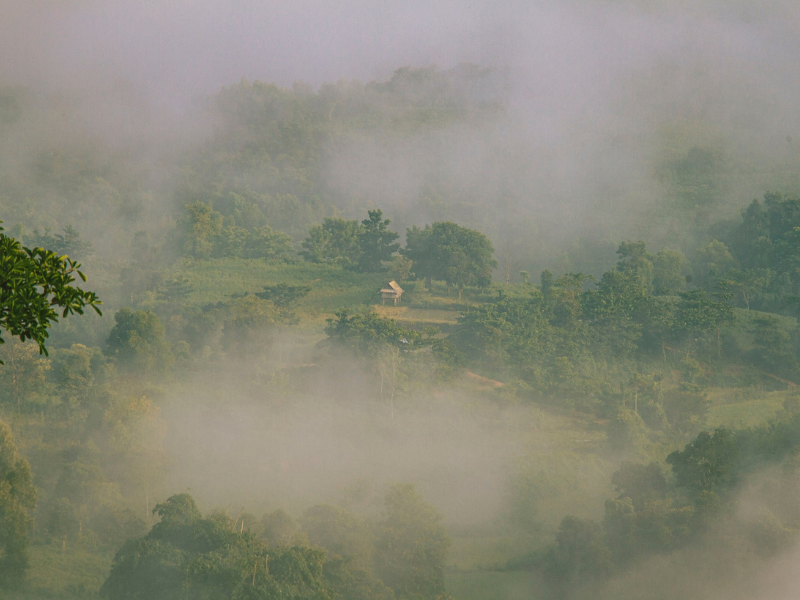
column 392, row 291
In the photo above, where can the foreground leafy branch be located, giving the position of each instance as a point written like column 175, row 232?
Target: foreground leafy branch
column 35, row 289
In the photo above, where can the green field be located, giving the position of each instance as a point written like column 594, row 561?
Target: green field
column 332, row 288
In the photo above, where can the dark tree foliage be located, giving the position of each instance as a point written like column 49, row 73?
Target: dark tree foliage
column 69, row 242
column 376, row 242
column 284, row 295
column 654, row 515
column 364, row 333
column 451, row 253
column 186, row 556
column 365, row 246
column 766, row 249
column 138, row 342
column 35, row 286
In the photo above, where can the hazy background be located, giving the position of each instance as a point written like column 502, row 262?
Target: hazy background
column 600, row 99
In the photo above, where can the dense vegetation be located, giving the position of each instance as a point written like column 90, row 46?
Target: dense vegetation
column 253, row 288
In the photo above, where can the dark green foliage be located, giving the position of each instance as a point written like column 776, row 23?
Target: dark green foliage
column 376, row 242
column 137, row 342
column 709, row 463
column 578, row 556
column 186, row 556
column 765, row 246
column 656, row 515
column 336, row 241
column 365, row 246
column 283, row 295
column 411, row 546
column 365, row 333
column 69, row 242
column 35, row 286
column 17, row 500
column 451, row 253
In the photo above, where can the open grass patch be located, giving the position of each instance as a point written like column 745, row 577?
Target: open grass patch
column 66, row 573
column 332, row 288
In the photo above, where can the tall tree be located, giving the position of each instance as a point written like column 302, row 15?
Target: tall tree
column 376, row 242
column 17, row 499
column 412, row 545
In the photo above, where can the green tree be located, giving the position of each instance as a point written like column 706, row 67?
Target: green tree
column 17, row 500
column 138, row 342
column 579, row 555
column 411, row 545
column 634, row 259
column 376, row 242
column 35, row 286
column 267, row 243
column 451, row 253
column 69, row 242
column 668, row 272
column 200, row 225
column 339, row 532
column 23, row 379
column 335, row 241
column 190, row 557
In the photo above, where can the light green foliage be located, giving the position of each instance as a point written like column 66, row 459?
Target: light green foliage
column 17, row 500
column 23, row 378
column 626, row 431
column 201, row 224
column 411, row 545
column 205, row 235
column 247, row 320
column 635, row 260
column 35, row 285
column 278, row 528
column 712, row 264
column 336, row 241
column 669, row 271
column 448, row 252
column 339, row 532
column 137, row 342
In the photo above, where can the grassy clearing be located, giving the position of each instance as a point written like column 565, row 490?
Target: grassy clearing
column 71, row 573
column 332, row 288
column 741, row 408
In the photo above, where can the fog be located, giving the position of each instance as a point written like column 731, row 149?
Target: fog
column 593, row 104
column 598, row 100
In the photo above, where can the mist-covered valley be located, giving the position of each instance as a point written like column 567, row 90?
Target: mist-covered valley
column 430, row 300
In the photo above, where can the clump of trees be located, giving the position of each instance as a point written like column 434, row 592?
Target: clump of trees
column 655, row 514
column 205, row 233
column 365, row 246
column 188, row 555
column 451, row 253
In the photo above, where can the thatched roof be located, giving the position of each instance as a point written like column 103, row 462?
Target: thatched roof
column 392, row 287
